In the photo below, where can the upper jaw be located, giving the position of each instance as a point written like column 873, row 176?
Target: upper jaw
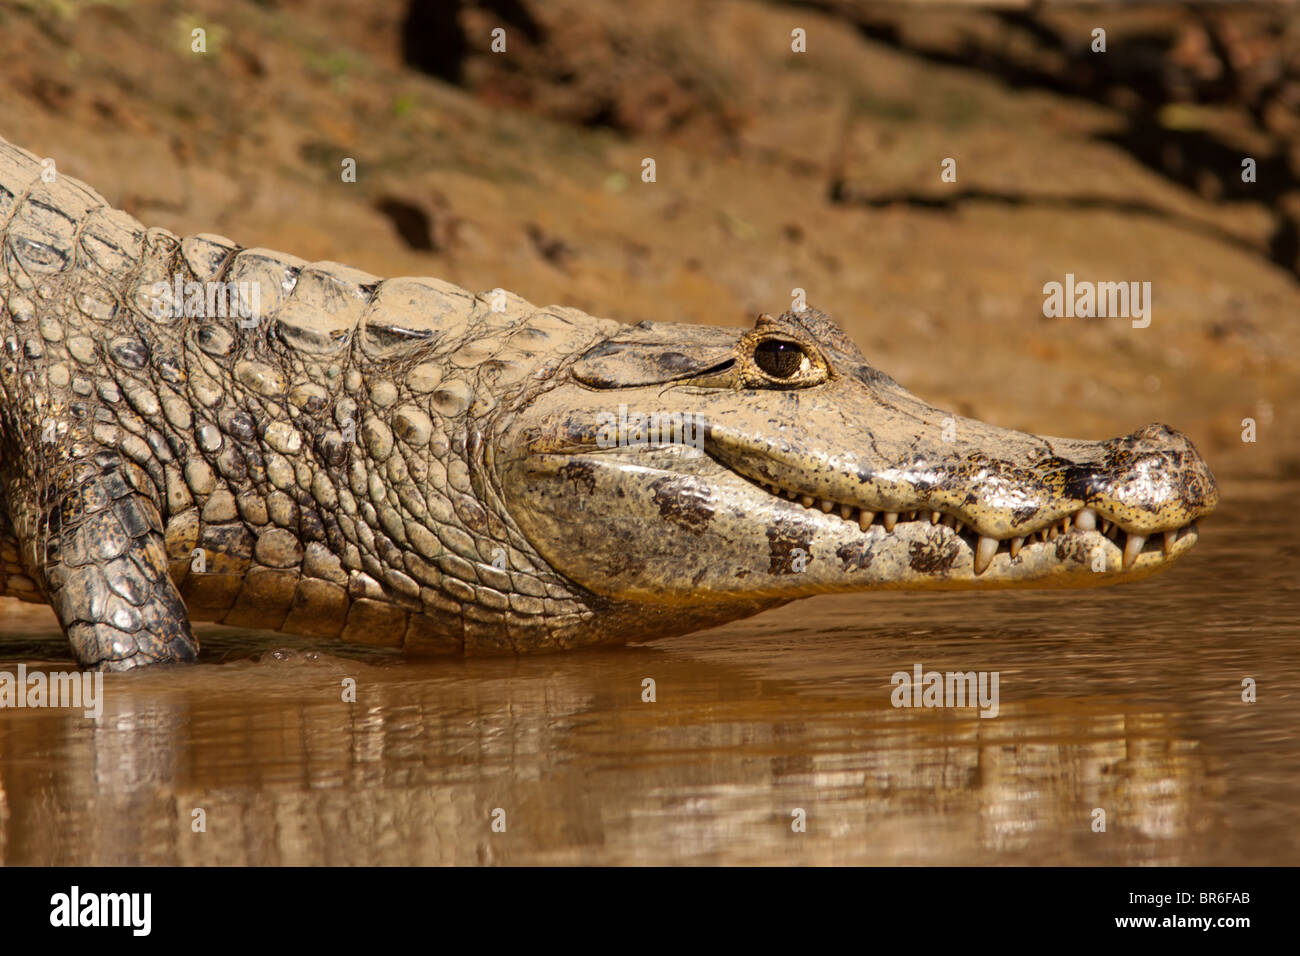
column 1116, row 491
column 1122, row 550
column 707, row 532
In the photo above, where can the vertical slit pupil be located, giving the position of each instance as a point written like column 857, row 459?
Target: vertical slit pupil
column 778, row 358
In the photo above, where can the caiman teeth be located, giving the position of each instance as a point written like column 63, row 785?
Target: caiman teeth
column 984, row 552
column 985, row 547
column 1132, row 548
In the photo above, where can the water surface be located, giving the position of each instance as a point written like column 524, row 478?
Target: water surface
column 1125, row 699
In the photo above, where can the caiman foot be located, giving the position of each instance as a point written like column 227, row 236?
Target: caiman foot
column 106, row 572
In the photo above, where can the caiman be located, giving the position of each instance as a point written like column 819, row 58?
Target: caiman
column 401, row 462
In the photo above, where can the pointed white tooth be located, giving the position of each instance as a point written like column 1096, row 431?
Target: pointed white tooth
column 1132, row 548
column 826, row 506
column 934, row 517
column 1170, row 538
column 984, row 552
column 846, row 512
column 1105, row 526
column 807, row 501
column 890, row 519
column 1016, row 544
column 1086, row 520
column 865, row 518
column 1051, row 531
column 958, row 527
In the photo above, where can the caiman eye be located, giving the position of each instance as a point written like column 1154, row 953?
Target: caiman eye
column 779, row 358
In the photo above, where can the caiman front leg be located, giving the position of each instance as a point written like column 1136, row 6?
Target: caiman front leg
column 100, row 550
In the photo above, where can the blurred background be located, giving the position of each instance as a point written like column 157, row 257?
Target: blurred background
column 775, row 170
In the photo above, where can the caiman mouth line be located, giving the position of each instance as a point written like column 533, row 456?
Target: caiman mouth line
column 986, row 548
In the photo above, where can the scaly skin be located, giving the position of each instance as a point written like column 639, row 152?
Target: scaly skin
column 400, row 462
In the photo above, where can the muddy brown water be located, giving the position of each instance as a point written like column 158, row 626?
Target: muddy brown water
column 1126, row 699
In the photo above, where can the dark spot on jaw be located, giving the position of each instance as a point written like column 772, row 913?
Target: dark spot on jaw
column 625, row 564
column 1021, row 515
column 935, row 555
column 1072, row 548
column 580, row 473
column 781, row 543
column 684, row 502
column 856, row 556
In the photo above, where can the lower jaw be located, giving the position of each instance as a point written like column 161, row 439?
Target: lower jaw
column 930, row 559
column 916, row 556
column 640, row 533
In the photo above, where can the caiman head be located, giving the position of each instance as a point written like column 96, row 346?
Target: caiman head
column 694, row 466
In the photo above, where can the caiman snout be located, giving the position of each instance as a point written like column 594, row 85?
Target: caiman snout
column 812, row 471
column 1151, row 481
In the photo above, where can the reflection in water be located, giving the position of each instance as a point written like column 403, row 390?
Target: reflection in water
column 1125, row 699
